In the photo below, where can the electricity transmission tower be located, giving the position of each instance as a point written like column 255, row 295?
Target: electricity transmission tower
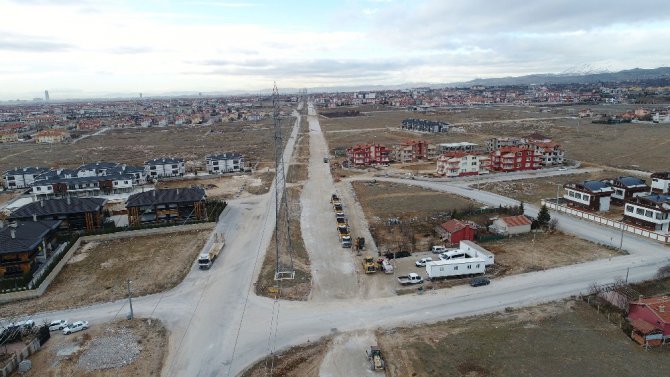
column 283, row 247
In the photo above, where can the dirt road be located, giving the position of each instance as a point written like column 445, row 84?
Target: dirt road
column 346, row 356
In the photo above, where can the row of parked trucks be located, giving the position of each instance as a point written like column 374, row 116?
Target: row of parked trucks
column 342, row 225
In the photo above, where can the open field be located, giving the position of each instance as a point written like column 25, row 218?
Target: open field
column 533, row 190
column 110, row 345
column 556, row 339
column 98, row 271
column 539, row 251
column 134, row 146
column 298, row 288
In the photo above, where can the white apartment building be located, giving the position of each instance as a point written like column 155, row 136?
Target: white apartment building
column 225, row 163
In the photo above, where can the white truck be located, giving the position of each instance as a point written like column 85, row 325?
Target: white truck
column 387, row 266
column 455, row 267
column 412, row 278
column 205, row 260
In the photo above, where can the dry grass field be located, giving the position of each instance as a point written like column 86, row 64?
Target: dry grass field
column 559, row 339
column 98, row 271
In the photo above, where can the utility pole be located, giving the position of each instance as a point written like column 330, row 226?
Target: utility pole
column 621, row 242
column 558, row 186
column 130, row 300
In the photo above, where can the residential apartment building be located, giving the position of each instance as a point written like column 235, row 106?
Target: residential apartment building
column 225, row 163
column 22, row 177
column 75, row 213
column 164, row 167
column 551, row 153
column 412, row 151
column 500, row 142
column 167, row 205
column 51, row 136
column 462, row 146
column 368, row 154
column 588, row 195
column 24, row 245
column 507, row 159
column 626, row 188
column 456, row 164
column 660, row 183
column 650, row 211
column 8, row 137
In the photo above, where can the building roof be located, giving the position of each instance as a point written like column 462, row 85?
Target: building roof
column 224, row 156
column 659, row 305
column 661, row 175
column 27, row 170
column 454, row 225
column 596, row 186
column 456, row 145
column 58, row 207
column 643, row 326
column 99, row 165
column 164, row 196
column 164, row 160
column 519, row 220
column 28, row 234
column 631, row 182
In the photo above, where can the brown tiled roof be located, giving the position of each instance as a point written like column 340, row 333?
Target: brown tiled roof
column 660, row 305
column 454, row 225
column 516, row 220
column 643, row 326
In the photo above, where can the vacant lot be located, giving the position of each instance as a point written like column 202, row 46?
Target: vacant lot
column 557, row 339
column 134, row 146
column 530, row 252
column 299, row 361
column 99, row 270
column 122, row 348
column 224, row 187
column 298, row 288
column 533, row 190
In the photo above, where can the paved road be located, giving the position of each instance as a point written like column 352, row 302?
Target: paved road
column 212, row 314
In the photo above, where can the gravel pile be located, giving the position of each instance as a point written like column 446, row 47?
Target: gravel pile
column 116, row 349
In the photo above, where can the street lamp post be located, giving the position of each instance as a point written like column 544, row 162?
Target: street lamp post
column 130, row 300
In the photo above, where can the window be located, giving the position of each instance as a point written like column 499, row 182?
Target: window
column 38, row 188
column 441, row 268
column 126, row 182
column 571, row 194
column 474, row 163
column 619, row 192
column 629, row 208
column 639, row 211
column 174, row 166
column 477, row 266
column 455, row 267
column 469, row 267
column 649, row 213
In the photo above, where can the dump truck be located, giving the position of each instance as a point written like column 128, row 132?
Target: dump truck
column 337, row 207
column 369, row 265
column 334, row 198
column 345, row 238
column 205, row 260
column 376, row 358
column 412, row 278
column 341, row 221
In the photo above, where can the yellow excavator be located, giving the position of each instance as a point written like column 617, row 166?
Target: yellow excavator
column 376, row 359
column 369, row 265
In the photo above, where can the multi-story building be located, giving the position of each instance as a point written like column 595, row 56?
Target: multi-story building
column 423, row 125
column 660, row 183
column 626, row 188
column 462, row 146
column 552, row 153
column 167, row 205
column 368, row 154
column 413, row 150
column 51, row 136
column 225, row 163
column 650, row 211
column 22, row 177
column 456, row 164
column 500, row 142
column 164, row 167
column 589, row 195
column 508, row 159
column 8, row 137
column 75, row 213
column 24, row 245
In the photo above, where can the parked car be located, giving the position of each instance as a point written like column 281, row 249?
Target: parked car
column 422, row 262
column 75, row 326
column 58, row 324
column 476, row 282
column 562, row 169
column 438, row 249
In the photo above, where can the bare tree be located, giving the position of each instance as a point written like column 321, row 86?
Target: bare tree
column 553, row 223
column 663, row 272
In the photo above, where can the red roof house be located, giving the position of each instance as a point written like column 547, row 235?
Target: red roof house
column 454, row 231
column 650, row 318
column 511, row 225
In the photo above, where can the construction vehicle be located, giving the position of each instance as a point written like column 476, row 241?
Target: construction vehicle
column 369, row 265
column 334, row 198
column 345, row 238
column 205, row 260
column 360, row 243
column 375, row 358
column 337, row 207
column 341, row 221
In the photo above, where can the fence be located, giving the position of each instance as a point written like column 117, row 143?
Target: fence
column 608, row 222
column 13, row 363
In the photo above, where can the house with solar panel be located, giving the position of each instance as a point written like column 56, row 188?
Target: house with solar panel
column 626, row 188
column 649, row 211
column 588, row 195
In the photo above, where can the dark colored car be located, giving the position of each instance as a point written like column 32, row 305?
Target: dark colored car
column 476, row 282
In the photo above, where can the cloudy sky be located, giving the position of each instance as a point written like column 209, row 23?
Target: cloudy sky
column 79, row 48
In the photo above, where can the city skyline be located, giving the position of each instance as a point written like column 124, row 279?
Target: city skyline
column 87, row 48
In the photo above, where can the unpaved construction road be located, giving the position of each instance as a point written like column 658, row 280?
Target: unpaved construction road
column 219, row 328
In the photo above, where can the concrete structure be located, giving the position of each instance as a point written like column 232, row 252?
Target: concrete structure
column 225, row 163
column 651, row 212
column 496, row 143
column 164, row 167
column 650, row 318
column 456, row 164
column 511, row 225
column 453, row 231
column 423, row 125
column 552, row 153
column 589, row 195
column 413, row 151
column 626, row 188
column 462, row 146
column 168, row 205
column 368, row 154
column 660, row 183
column 507, row 159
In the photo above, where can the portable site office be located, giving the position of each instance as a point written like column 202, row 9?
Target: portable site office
column 455, row 267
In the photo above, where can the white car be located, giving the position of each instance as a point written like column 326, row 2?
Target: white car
column 75, row 326
column 57, row 325
column 422, row 262
column 562, row 169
